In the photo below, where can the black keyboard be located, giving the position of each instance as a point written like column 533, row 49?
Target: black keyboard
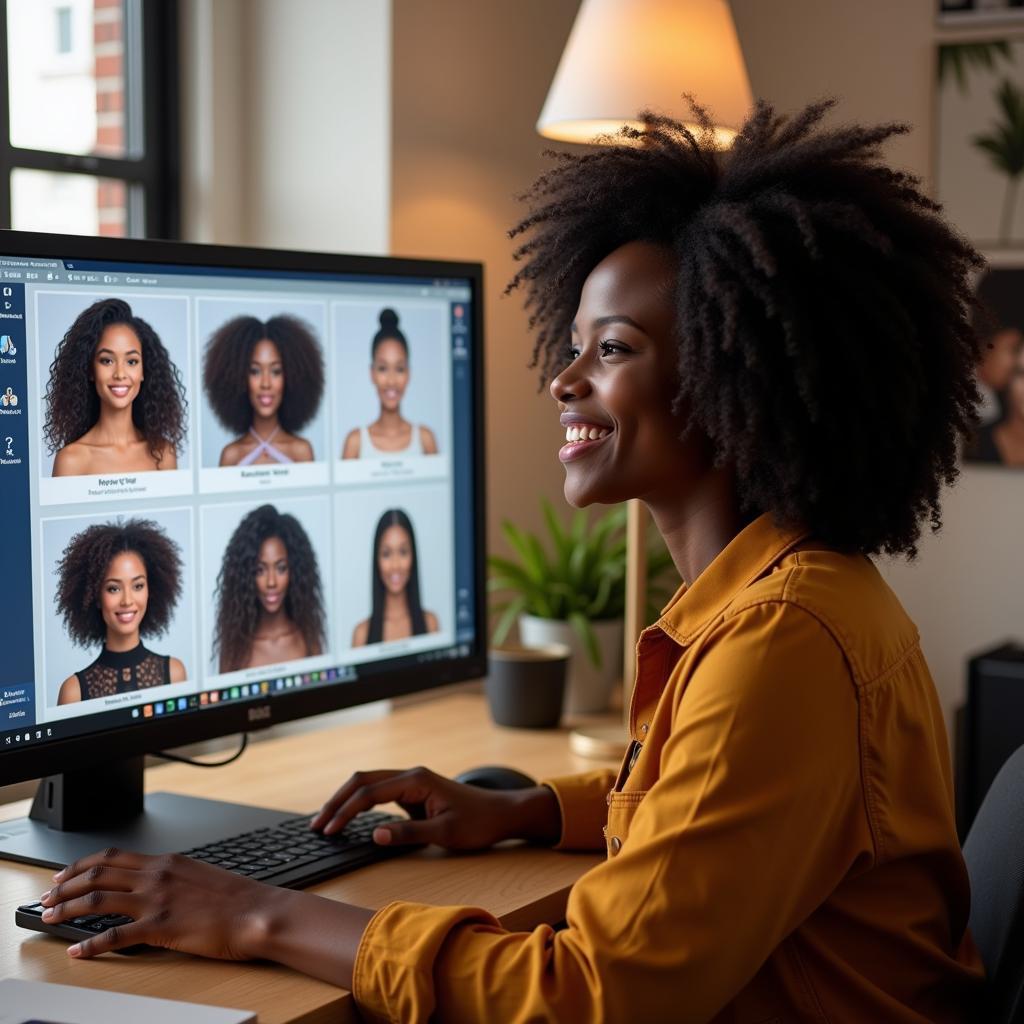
column 287, row 854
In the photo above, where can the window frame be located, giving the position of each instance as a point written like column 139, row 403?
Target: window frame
column 153, row 180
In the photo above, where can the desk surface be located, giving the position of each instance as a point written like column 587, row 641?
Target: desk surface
column 522, row 886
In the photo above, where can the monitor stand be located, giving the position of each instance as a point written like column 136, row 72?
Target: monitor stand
column 89, row 810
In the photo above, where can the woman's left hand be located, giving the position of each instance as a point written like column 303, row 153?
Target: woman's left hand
column 173, row 901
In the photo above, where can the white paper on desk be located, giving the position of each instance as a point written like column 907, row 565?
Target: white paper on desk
column 22, row 1001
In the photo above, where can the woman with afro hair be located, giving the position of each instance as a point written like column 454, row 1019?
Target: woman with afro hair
column 264, row 382
column 119, row 582
column 270, row 605
column 395, row 609
column 770, row 347
column 115, row 402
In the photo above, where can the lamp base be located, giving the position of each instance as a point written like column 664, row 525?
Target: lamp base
column 604, row 742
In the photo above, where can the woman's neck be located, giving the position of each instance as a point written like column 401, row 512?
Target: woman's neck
column 396, row 606
column 273, row 623
column 115, row 426
column 119, row 642
column 391, row 420
column 265, row 426
column 699, row 527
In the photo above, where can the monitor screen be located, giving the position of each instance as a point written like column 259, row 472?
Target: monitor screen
column 230, row 478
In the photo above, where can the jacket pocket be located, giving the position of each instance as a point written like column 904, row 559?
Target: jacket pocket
column 621, row 809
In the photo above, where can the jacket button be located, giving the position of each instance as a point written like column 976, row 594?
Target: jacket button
column 616, row 845
column 644, row 727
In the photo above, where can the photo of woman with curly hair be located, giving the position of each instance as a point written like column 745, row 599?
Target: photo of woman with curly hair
column 115, row 401
column 264, row 381
column 118, row 582
column 270, row 605
column 390, row 433
column 395, row 612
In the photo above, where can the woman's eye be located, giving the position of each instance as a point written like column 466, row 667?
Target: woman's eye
column 611, row 348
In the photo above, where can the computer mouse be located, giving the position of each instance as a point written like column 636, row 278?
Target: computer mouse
column 494, row 776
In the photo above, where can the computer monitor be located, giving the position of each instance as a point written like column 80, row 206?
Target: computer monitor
column 239, row 487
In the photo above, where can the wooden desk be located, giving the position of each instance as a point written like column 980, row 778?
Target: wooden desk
column 522, row 886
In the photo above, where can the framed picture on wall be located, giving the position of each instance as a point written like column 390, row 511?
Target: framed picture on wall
column 979, row 12
column 999, row 440
column 979, row 170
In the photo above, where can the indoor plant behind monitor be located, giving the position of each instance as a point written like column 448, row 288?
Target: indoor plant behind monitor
column 572, row 591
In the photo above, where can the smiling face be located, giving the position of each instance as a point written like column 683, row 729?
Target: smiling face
column 117, row 366
column 394, row 559
column 272, row 575
column 266, row 379
column 124, row 596
column 615, row 396
column 389, row 372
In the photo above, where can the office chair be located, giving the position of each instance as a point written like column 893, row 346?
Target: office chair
column 994, row 852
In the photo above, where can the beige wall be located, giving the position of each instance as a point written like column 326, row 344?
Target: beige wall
column 469, row 81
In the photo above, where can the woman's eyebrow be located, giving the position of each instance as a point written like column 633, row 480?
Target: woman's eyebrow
column 111, row 352
column 604, row 321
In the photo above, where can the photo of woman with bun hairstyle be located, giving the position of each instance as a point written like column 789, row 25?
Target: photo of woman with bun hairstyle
column 117, row 583
column 270, row 605
column 264, row 382
column 390, row 433
column 395, row 612
column 115, row 401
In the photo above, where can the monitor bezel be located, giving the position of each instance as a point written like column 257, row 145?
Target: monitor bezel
column 55, row 756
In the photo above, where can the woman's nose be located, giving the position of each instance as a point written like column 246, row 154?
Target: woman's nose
column 570, row 384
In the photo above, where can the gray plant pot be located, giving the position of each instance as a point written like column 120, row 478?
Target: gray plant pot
column 525, row 685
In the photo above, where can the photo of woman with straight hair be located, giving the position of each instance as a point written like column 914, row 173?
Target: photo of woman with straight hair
column 115, row 401
column 390, row 433
column 270, row 606
column 395, row 612
column 264, row 381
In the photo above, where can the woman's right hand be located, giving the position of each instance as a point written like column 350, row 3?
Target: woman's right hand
column 445, row 812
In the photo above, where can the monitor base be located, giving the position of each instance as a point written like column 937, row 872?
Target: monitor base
column 170, row 823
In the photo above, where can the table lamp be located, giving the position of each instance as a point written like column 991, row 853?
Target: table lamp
column 624, row 56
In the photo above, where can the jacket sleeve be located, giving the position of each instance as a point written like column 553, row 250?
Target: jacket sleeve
column 746, row 831
column 583, row 801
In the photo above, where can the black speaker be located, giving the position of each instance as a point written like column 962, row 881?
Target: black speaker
column 991, row 726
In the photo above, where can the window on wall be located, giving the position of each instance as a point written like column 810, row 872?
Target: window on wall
column 88, row 117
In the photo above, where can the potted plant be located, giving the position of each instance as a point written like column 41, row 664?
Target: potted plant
column 572, row 590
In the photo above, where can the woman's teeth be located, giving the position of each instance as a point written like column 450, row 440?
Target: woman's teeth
column 585, row 433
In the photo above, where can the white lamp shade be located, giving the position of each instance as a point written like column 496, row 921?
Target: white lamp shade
column 624, row 56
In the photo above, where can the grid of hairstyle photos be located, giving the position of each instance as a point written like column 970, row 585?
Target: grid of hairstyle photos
column 231, row 487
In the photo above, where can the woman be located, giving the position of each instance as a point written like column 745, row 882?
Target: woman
column 390, row 433
column 771, row 348
column 1003, row 441
column 119, row 582
column 270, row 606
column 394, row 585
column 264, row 381
column 115, row 402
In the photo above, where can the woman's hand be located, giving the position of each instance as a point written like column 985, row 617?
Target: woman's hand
column 174, row 901
column 443, row 811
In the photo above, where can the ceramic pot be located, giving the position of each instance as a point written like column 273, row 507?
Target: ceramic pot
column 525, row 686
column 588, row 688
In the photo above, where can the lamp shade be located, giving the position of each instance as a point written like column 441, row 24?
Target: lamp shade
column 624, row 56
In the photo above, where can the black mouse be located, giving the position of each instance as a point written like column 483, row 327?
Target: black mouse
column 494, row 776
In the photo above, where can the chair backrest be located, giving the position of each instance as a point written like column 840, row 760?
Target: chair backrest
column 994, row 852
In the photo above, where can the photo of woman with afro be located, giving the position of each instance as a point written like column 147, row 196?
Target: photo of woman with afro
column 115, row 401
column 390, row 433
column 264, row 382
column 118, row 582
column 395, row 611
column 270, row 606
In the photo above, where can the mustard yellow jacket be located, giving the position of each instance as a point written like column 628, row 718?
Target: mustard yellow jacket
column 780, row 838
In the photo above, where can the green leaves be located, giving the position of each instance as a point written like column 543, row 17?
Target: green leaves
column 1004, row 146
column 576, row 574
column 956, row 59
